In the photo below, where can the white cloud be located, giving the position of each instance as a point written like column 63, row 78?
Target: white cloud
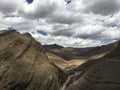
column 81, row 23
column 66, row 41
column 40, row 9
column 112, row 34
column 103, row 7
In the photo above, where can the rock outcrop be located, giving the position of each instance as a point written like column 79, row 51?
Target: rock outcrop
column 24, row 65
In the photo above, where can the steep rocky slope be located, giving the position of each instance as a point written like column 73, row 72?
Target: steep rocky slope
column 115, row 53
column 101, row 74
column 24, row 65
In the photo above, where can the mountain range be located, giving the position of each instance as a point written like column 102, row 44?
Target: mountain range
column 25, row 64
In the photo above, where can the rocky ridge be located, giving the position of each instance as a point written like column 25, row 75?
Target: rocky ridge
column 24, row 65
column 100, row 74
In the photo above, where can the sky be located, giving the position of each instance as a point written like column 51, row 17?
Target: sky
column 70, row 23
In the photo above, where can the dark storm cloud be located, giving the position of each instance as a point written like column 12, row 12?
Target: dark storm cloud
column 104, row 7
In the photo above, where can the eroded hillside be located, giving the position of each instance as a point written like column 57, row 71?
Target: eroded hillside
column 24, row 65
column 100, row 74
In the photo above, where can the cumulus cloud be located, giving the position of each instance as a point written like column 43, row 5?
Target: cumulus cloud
column 64, row 17
column 89, row 31
column 40, row 9
column 104, row 7
column 66, row 41
column 63, row 30
column 77, row 23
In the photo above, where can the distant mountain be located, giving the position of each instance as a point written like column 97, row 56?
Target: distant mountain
column 69, row 53
column 98, row 52
column 52, row 46
column 65, row 53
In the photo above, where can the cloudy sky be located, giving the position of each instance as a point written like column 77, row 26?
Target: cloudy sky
column 71, row 23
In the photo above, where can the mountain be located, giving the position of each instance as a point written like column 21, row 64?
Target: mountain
column 69, row 53
column 100, row 74
column 52, row 46
column 115, row 53
column 65, row 53
column 98, row 52
column 66, row 58
column 27, row 65
column 24, row 64
column 69, row 58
